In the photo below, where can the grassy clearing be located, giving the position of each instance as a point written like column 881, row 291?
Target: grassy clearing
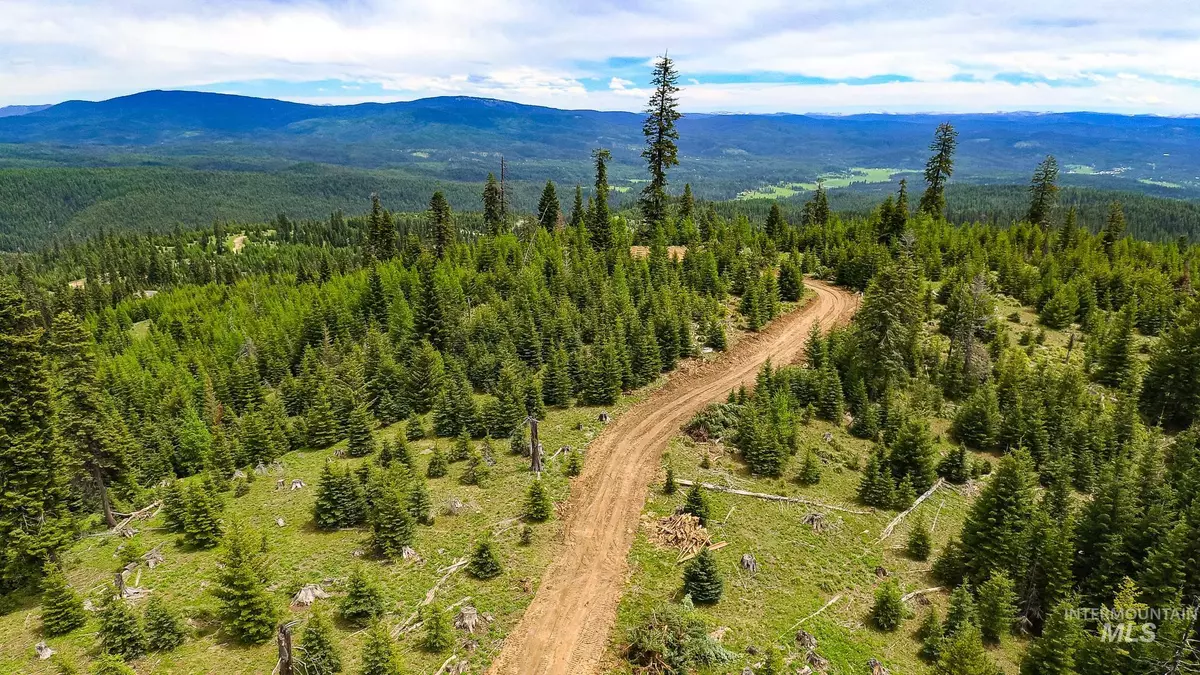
column 302, row 554
column 1160, row 183
column 834, row 180
column 799, row 570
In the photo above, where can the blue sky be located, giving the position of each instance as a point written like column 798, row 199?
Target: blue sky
column 752, row 55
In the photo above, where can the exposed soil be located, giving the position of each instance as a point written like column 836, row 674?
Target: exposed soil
column 566, row 628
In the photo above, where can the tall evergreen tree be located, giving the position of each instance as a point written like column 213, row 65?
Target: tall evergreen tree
column 548, row 208
column 34, row 523
column 600, row 229
column 996, row 533
column 381, row 231
column 661, row 153
column 578, row 213
column 938, row 170
column 492, row 220
column 1043, row 192
column 443, row 223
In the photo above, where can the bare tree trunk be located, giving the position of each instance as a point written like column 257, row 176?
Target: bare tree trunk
column 108, row 512
column 535, row 446
column 284, row 640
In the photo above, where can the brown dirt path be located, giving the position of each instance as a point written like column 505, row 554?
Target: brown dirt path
column 566, row 628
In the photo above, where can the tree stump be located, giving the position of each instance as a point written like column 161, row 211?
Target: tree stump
column 749, row 563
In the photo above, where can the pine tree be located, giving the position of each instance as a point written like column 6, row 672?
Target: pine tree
column 995, row 535
column 997, row 607
column 912, row 455
column 810, row 470
column 599, row 228
column 425, row 378
column 33, row 515
column 696, row 504
column 341, row 501
column 320, row 421
column 1054, row 652
column 455, row 411
column 1043, row 192
column 362, row 441
column 791, row 280
column 574, row 465
column 202, row 527
column 492, row 220
column 1114, row 228
column 962, row 611
column 920, row 540
column 318, row 651
column 484, row 564
column 392, row 525
column 577, row 211
column 438, row 635
column 977, row 422
column 548, row 209
column 938, row 170
column 889, row 610
column 962, row 653
column 62, row 608
column 246, row 606
column 120, row 631
column 420, row 505
column 381, row 231
column 109, row 664
column 443, row 225
column 413, row 429
column 669, row 486
column 164, row 629
column 702, row 580
column 931, row 636
column 538, row 506
column 438, row 465
column 364, row 599
column 955, row 467
column 661, row 151
column 378, row 655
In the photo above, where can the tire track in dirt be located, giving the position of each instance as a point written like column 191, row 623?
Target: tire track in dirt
column 565, row 630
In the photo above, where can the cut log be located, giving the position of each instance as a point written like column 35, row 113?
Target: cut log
column 887, row 531
column 774, row 498
column 449, row 571
column 909, row 596
column 813, row 615
column 309, row 594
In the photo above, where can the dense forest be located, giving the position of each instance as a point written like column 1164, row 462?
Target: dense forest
column 166, row 367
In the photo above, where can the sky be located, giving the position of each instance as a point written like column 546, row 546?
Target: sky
column 1131, row 56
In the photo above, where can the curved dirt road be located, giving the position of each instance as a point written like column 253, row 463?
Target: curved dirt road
column 565, row 630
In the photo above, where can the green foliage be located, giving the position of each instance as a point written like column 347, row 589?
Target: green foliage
column 676, row 638
column 62, row 608
column 962, row 653
column 920, row 540
column 702, row 580
column 669, row 486
column 121, row 632
column 889, row 610
column 484, row 564
column 392, row 523
column 996, row 533
column 110, row 664
column 362, row 441
column 538, row 506
column 1054, row 652
column 931, row 636
column 202, row 527
column 364, row 600
column 810, row 470
column 246, row 607
column 438, row 634
column 574, row 465
column 318, row 652
column 379, row 655
column 997, row 607
column 420, row 504
column 340, row 500
column 164, row 628
column 438, row 466
column 696, row 504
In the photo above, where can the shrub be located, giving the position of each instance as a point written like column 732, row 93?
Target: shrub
column 889, row 610
column 676, row 638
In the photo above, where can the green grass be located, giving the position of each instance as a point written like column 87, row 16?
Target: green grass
column 1160, row 183
column 834, row 180
column 302, row 554
column 799, row 570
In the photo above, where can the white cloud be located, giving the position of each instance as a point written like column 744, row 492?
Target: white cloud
column 1113, row 54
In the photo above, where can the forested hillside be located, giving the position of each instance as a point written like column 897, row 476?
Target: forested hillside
column 213, row 438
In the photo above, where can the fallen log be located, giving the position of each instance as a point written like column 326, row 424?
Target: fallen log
column 887, row 531
column 909, row 596
column 774, row 498
column 824, row 607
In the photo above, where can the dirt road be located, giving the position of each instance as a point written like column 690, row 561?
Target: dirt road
column 566, row 628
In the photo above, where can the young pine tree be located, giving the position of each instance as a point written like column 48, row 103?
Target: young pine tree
column 702, row 580
column 105, row 664
column 164, row 629
column 538, row 506
column 121, row 632
column 379, row 654
column 962, row 653
column 931, row 636
column 362, row 442
column 696, row 504
column 62, row 608
column 574, row 465
column 484, row 563
column 392, row 525
column 889, row 610
column 420, row 505
column 810, row 470
column 920, row 543
column 1054, row 652
column 997, row 607
column 438, row 466
column 669, row 486
column 364, row 600
column 202, row 508
column 318, row 650
column 438, row 635
column 246, row 606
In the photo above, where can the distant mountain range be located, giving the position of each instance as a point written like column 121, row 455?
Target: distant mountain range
column 461, row 138
column 14, row 110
